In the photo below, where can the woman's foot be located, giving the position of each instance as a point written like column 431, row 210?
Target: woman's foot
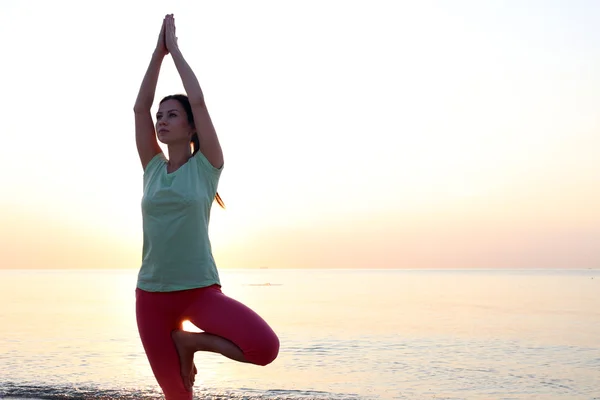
column 184, row 342
column 193, row 374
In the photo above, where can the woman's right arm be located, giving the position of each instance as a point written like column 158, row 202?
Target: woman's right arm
column 145, row 135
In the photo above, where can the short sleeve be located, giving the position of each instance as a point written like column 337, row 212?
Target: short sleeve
column 206, row 167
column 154, row 166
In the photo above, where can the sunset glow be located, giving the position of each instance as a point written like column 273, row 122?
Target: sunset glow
column 356, row 135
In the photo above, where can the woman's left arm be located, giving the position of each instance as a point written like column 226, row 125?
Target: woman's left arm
column 209, row 141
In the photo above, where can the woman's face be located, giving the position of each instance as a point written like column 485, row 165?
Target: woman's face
column 172, row 124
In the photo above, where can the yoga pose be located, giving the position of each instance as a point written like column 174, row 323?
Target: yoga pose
column 178, row 279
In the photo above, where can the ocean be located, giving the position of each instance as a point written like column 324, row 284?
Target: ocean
column 345, row 334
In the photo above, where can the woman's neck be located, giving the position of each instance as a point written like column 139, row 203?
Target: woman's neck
column 178, row 155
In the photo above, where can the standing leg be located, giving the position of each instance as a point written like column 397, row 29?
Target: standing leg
column 155, row 322
column 230, row 328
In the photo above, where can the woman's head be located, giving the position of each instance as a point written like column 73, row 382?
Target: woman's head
column 175, row 121
column 175, row 124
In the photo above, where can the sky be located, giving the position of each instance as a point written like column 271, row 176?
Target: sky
column 356, row 134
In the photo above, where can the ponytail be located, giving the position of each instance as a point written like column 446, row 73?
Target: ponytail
column 195, row 142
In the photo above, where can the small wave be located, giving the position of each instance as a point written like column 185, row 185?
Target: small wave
column 263, row 284
column 66, row 392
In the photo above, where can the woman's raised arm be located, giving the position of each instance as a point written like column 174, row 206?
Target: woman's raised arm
column 145, row 135
column 209, row 142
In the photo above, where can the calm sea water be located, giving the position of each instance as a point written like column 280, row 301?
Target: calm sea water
column 345, row 334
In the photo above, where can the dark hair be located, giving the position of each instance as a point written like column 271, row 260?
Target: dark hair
column 195, row 142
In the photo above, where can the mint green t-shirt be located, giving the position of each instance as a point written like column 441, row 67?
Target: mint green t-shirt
column 176, row 252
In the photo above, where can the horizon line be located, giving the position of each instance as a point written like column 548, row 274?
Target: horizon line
column 330, row 269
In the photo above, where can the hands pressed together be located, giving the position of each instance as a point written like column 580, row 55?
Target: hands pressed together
column 167, row 40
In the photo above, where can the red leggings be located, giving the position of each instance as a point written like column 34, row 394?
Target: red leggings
column 159, row 313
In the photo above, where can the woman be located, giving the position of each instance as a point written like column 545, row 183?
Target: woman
column 178, row 279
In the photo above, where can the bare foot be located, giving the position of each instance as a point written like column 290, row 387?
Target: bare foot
column 193, row 374
column 185, row 348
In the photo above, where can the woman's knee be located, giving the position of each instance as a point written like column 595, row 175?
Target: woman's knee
column 265, row 350
column 166, row 370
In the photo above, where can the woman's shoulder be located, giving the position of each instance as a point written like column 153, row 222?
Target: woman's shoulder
column 205, row 165
column 154, row 165
column 158, row 159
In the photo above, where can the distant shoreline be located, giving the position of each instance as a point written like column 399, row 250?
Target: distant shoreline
column 320, row 269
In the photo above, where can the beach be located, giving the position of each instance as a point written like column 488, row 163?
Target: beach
column 345, row 334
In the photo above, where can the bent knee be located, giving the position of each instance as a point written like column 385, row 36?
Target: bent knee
column 265, row 351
